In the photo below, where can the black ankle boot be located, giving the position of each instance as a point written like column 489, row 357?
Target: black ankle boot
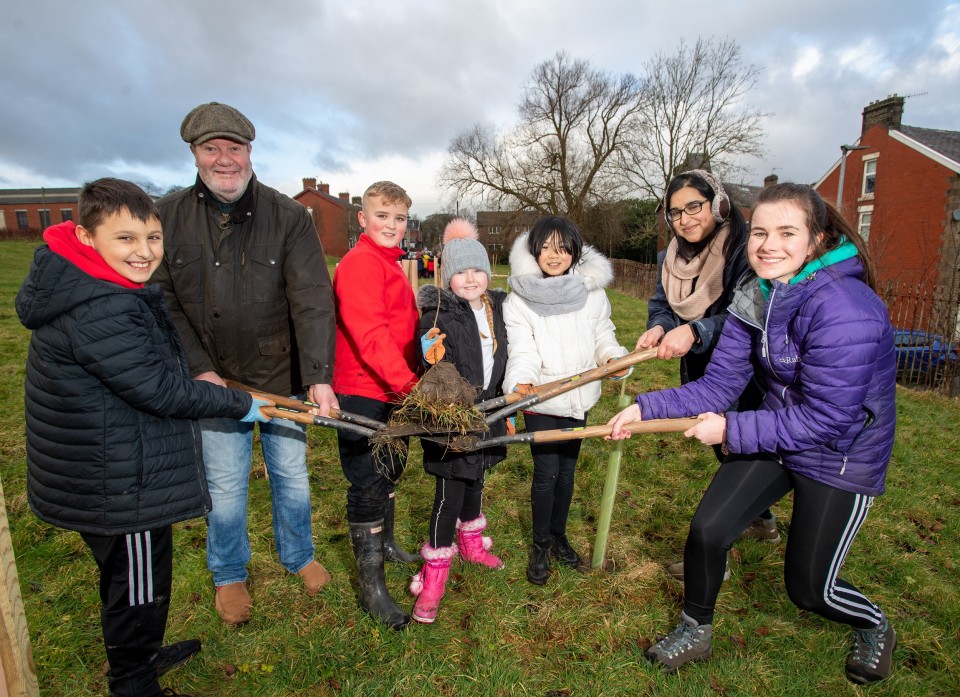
column 538, row 568
column 562, row 551
column 392, row 551
column 367, row 541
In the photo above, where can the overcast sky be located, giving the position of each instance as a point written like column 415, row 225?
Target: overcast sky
column 357, row 90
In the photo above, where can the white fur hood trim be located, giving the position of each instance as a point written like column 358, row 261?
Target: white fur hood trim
column 596, row 269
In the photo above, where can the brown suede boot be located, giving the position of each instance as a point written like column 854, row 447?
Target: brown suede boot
column 233, row 603
column 314, row 577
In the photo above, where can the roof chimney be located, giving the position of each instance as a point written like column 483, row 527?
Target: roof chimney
column 324, row 188
column 310, row 183
column 770, row 180
column 344, row 196
column 885, row 112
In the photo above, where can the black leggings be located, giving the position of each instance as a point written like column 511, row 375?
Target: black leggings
column 554, row 468
column 455, row 499
column 824, row 524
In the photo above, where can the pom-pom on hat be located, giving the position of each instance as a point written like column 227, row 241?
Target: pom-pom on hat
column 462, row 250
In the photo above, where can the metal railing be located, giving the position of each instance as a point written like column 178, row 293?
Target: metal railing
column 927, row 320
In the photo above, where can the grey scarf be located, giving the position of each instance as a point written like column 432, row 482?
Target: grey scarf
column 552, row 295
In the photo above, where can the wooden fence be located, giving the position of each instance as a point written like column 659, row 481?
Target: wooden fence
column 927, row 320
column 633, row 278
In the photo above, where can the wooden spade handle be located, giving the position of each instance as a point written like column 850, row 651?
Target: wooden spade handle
column 308, row 407
column 313, row 420
column 548, row 390
column 651, row 426
column 288, row 402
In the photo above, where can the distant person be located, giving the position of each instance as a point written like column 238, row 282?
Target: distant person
column 249, row 292
column 462, row 324
column 697, row 274
column 558, row 324
column 376, row 367
column 113, row 450
column 814, row 331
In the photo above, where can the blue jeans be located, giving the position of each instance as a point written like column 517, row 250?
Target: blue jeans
column 227, row 449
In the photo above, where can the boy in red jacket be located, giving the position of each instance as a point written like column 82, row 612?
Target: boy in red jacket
column 375, row 367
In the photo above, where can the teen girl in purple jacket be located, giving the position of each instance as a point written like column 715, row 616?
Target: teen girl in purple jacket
column 821, row 340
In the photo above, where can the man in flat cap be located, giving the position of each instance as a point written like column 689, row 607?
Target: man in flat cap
column 248, row 288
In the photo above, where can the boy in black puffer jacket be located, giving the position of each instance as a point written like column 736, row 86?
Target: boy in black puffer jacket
column 113, row 448
column 464, row 326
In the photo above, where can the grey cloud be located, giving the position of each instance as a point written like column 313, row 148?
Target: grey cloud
column 101, row 87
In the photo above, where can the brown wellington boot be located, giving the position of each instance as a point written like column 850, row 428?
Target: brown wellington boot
column 233, row 603
column 314, row 577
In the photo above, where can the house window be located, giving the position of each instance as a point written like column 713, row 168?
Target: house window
column 21, row 220
column 863, row 222
column 66, row 214
column 869, row 176
column 44, row 218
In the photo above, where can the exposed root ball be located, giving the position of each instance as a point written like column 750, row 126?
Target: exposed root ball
column 441, row 403
column 442, row 387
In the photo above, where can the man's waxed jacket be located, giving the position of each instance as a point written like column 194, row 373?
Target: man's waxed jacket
column 248, row 290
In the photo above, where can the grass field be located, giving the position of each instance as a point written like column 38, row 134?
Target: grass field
column 581, row 634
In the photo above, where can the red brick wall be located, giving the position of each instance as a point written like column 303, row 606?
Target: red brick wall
column 9, row 223
column 331, row 221
column 909, row 206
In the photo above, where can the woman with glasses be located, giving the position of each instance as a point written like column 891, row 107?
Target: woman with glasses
column 697, row 274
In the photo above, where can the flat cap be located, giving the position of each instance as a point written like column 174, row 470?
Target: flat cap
column 216, row 120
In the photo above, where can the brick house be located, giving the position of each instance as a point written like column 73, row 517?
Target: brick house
column 901, row 190
column 335, row 217
column 30, row 211
column 498, row 229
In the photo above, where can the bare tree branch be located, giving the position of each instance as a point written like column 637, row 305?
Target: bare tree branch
column 563, row 156
column 695, row 108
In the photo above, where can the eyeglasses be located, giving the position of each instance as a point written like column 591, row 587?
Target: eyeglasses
column 691, row 208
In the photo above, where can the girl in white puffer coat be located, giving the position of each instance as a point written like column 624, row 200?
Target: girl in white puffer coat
column 558, row 324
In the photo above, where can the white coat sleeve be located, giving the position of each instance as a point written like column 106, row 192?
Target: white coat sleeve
column 607, row 346
column 523, row 356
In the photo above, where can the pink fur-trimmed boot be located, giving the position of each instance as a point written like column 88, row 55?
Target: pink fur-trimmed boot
column 474, row 546
column 430, row 583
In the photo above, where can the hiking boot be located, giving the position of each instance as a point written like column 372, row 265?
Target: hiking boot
column 763, row 529
column 175, row 655
column 687, row 643
column 562, row 551
column 233, row 603
column 676, row 570
column 538, row 568
column 871, row 657
column 314, row 577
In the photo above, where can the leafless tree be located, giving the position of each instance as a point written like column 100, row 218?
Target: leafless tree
column 563, row 157
column 695, row 108
column 432, row 227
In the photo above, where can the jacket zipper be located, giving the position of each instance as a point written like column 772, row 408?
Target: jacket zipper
column 764, row 338
column 871, row 417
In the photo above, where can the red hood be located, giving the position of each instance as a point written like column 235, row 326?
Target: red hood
column 62, row 240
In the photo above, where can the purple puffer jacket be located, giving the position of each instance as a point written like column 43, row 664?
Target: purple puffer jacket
column 825, row 350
